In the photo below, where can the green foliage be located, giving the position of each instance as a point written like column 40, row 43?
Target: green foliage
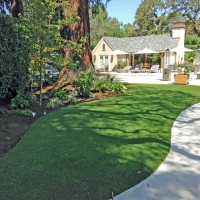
column 156, row 16
column 54, row 103
column 101, row 84
column 14, row 56
column 85, row 82
column 151, row 17
column 191, row 42
column 44, row 22
column 184, row 68
column 121, row 63
column 118, row 88
column 155, row 58
column 190, row 10
column 30, row 96
column 61, row 95
column 19, row 102
column 24, row 112
column 3, row 110
column 103, row 25
column 72, row 99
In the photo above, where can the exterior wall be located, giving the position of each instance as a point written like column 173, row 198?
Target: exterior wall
column 197, row 59
column 98, row 52
column 178, row 31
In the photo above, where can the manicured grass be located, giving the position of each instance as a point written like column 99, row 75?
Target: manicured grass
column 88, row 151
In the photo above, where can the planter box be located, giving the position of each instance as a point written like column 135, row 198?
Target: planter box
column 181, row 78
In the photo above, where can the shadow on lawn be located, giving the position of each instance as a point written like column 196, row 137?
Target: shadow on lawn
column 93, row 149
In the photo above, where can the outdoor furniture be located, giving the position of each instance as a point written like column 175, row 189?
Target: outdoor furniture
column 154, row 68
column 146, row 65
column 125, row 69
column 138, row 68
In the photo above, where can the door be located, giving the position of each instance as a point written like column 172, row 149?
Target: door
column 104, row 61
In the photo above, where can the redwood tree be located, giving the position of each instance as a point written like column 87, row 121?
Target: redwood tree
column 76, row 32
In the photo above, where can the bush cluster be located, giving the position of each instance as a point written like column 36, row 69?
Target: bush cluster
column 86, row 83
column 14, row 57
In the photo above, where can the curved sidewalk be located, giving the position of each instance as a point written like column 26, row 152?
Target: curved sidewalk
column 178, row 177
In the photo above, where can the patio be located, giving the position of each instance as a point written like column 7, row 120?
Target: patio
column 152, row 78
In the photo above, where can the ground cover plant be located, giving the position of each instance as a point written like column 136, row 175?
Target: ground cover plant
column 89, row 150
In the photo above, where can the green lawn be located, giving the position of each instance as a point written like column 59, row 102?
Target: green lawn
column 90, row 150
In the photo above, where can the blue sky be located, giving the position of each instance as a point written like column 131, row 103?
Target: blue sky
column 123, row 10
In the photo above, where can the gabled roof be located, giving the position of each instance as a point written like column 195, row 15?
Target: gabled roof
column 133, row 44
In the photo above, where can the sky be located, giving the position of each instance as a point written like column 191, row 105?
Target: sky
column 123, row 10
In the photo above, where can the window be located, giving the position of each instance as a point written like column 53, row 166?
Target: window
column 103, row 47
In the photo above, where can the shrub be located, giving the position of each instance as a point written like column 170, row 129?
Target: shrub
column 17, row 111
column 72, row 99
column 102, row 84
column 85, row 82
column 14, row 57
column 26, row 112
column 184, row 68
column 3, row 110
column 61, row 95
column 54, row 103
column 19, row 102
column 118, row 88
column 30, row 96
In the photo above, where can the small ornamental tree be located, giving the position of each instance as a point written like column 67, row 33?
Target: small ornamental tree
column 14, row 57
column 44, row 22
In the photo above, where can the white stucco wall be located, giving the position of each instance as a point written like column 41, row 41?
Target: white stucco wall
column 179, row 32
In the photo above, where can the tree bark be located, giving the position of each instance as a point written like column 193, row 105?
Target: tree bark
column 17, row 8
column 75, row 32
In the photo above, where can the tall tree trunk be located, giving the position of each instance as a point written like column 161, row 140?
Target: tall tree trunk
column 17, row 8
column 75, row 32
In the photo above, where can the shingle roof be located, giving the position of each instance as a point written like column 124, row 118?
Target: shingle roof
column 133, row 44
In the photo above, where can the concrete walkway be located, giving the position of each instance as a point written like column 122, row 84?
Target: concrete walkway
column 178, row 177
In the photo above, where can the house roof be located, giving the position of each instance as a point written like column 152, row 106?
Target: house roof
column 133, row 44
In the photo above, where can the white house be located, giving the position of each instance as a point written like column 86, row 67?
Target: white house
column 159, row 43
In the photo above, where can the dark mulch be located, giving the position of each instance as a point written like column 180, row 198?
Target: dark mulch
column 12, row 128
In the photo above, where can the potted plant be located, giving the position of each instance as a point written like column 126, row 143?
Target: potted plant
column 183, row 75
column 121, row 64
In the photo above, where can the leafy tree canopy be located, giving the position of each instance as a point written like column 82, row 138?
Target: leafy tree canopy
column 152, row 16
column 191, row 42
column 190, row 10
column 156, row 16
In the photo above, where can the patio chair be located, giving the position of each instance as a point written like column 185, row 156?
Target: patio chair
column 126, row 69
column 154, row 69
column 138, row 68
